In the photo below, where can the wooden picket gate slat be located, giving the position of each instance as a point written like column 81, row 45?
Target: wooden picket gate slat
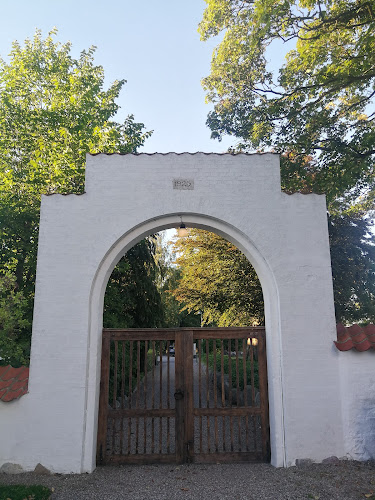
column 210, row 405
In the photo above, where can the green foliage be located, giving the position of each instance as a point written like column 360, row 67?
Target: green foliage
column 353, row 269
column 232, row 361
column 14, row 348
column 169, row 277
column 132, row 299
column 53, row 111
column 124, row 351
column 218, row 280
column 176, row 314
column 21, row 492
column 317, row 109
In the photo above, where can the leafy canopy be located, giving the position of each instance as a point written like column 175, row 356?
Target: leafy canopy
column 12, row 321
column 168, row 278
column 353, row 269
column 217, row 280
column 54, row 110
column 132, row 298
column 317, row 109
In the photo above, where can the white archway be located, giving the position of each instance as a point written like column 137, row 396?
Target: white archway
column 271, row 305
column 81, row 239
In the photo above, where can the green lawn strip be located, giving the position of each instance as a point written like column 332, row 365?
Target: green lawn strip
column 22, row 492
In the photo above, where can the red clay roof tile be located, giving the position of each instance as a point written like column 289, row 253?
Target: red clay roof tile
column 23, row 373
column 13, row 382
column 11, row 372
column 4, row 384
column 355, row 337
column 10, row 395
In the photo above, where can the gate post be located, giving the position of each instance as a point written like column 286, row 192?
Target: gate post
column 103, row 401
column 189, row 396
column 180, row 398
column 263, row 390
column 184, row 396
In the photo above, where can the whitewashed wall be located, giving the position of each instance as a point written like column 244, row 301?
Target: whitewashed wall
column 82, row 238
column 357, row 382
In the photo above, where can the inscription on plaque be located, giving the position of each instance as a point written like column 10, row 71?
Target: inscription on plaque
column 183, row 183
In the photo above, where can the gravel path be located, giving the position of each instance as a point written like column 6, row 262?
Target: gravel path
column 342, row 481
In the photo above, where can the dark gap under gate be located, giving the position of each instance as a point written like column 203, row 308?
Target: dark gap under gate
column 183, row 395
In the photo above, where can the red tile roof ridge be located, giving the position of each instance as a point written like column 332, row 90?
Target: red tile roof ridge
column 14, row 382
column 355, row 337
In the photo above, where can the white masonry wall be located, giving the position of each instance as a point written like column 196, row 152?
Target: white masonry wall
column 82, row 238
column 357, row 377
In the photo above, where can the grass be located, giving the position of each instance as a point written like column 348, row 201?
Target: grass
column 21, row 492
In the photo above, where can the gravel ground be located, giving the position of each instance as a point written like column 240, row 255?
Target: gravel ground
column 344, row 481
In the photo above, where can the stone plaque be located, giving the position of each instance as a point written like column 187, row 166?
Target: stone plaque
column 183, row 184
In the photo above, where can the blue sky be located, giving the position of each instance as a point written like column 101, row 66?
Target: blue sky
column 154, row 45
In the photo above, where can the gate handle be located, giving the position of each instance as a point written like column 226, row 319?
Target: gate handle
column 178, row 395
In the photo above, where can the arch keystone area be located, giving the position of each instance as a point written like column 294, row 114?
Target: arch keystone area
column 130, row 196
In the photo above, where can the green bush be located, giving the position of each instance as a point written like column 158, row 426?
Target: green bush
column 21, row 492
column 149, row 361
column 14, row 344
column 226, row 361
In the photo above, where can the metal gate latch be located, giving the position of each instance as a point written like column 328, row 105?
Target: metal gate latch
column 178, row 395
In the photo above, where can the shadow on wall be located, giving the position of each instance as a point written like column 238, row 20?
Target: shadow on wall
column 366, row 427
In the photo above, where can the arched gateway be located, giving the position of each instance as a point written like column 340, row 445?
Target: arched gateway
column 130, row 196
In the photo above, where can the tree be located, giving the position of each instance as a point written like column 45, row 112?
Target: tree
column 317, row 110
column 353, row 269
column 13, row 344
column 132, row 299
column 175, row 314
column 218, row 280
column 53, row 111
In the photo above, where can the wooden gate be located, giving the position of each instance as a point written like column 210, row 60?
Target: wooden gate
column 183, row 395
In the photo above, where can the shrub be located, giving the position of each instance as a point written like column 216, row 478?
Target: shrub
column 233, row 361
column 21, row 492
column 14, row 345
